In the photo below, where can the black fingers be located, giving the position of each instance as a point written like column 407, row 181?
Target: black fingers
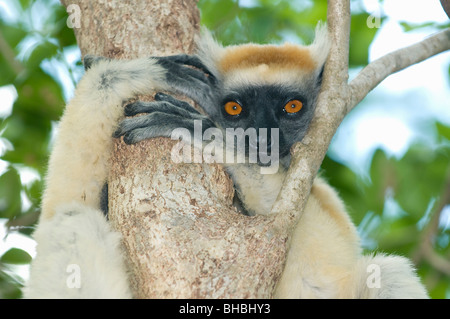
column 156, row 124
column 170, row 99
column 176, row 71
column 182, row 64
column 191, row 60
column 130, row 128
column 159, row 119
column 163, row 103
column 188, row 76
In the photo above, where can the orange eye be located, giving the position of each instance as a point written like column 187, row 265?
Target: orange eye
column 233, row 108
column 293, row 106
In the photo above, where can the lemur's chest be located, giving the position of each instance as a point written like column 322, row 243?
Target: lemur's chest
column 256, row 191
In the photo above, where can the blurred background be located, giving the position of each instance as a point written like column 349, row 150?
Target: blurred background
column 389, row 160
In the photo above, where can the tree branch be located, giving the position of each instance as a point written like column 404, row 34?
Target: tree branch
column 393, row 62
column 426, row 249
column 336, row 99
column 338, row 19
column 308, row 155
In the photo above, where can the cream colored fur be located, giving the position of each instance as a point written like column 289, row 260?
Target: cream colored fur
column 78, row 256
column 325, row 258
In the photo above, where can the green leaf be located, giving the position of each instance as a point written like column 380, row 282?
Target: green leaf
column 25, row 3
column 39, row 102
column 9, row 66
column 10, row 188
column 12, row 34
column 421, row 175
column 351, row 188
column 443, row 131
column 383, row 177
column 43, row 50
column 34, row 191
column 10, row 286
column 60, row 31
column 407, row 27
column 16, row 256
column 361, row 36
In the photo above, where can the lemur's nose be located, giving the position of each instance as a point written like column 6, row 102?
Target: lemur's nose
column 263, row 142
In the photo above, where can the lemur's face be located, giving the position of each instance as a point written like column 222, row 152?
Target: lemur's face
column 273, row 117
column 270, row 90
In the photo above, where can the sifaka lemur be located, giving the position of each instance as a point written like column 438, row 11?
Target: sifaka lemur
column 245, row 86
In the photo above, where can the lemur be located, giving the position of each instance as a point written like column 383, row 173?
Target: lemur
column 242, row 86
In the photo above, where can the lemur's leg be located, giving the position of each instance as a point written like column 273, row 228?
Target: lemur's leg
column 386, row 277
column 79, row 255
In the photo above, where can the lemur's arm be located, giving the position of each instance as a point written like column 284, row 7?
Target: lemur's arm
column 74, row 240
column 91, row 117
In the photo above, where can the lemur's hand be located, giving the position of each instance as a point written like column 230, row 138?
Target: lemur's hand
column 161, row 117
column 187, row 75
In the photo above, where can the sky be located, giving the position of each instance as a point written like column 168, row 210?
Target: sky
column 397, row 112
column 392, row 116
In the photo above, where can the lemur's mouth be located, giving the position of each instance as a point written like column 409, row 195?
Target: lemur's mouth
column 265, row 164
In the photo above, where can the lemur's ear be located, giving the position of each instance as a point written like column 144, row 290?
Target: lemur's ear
column 321, row 46
column 209, row 51
column 89, row 60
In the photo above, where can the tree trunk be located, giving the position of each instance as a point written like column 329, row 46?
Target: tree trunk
column 130, row 29
column 182, row 236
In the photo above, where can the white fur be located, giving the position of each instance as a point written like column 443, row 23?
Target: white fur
column 210, row 52
column 77, row 238
column 325, row 260
column 321, row 45
column 398, row 279
column 257, row 193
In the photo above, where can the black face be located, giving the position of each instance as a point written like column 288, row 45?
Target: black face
column 268, row 107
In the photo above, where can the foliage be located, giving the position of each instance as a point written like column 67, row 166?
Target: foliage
column 395, row 209
column 35, row 36
column 401, row 208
